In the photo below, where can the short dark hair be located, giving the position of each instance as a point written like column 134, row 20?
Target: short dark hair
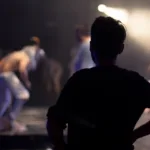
column 34, row 41
column 83, row 30
column 107, row 35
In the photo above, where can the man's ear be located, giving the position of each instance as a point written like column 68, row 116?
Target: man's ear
column 90, row 46
column 121, row 49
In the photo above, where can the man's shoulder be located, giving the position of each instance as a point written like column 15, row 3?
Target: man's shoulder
column 14, row 54
column 122, row 73
column 131, row 74
column 81, row 73
column 89, row 71
column 28, row 49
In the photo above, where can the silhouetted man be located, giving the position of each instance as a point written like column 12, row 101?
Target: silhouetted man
column 84, row 99
column 51, row 72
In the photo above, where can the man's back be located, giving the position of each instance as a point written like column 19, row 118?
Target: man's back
column 104, row 107
column 12, row 60
column 101, row 105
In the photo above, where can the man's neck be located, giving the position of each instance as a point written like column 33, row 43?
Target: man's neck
column 106, row 63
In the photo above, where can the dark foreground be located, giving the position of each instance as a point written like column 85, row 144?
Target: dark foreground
column 36, row 138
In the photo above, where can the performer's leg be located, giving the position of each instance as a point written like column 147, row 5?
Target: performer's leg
column 5, row 101
column 16, row 87
column 14, row 112
column 20, row 93
column 5, row 96
column 16, row 108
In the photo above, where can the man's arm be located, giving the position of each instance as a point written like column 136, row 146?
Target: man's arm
column 58, row 115
column 144, row 129
column 141, row 131
column 23, row 70
column 55, row 127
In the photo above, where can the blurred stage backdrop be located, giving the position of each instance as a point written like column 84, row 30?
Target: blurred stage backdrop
column 54, row 21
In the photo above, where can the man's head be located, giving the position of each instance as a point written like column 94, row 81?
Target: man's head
column 35, row 41
column 82, row 33
column 33, row 49
column 107, row 38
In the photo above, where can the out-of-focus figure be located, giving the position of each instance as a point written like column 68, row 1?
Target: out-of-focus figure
column 50, row 72
column 56, row 73
column 22, row 61
column 80, row 54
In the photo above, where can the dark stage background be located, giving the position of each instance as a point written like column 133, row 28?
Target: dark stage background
column 54, row 21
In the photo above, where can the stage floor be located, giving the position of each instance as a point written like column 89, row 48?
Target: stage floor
column 35, row 120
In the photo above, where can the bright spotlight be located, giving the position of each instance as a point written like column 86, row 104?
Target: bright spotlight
column 102, row 8
column 48, row 148
column 116, row 13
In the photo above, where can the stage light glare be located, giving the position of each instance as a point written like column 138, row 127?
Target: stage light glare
column 102, row 8
column 49, row 149
column 116, row 13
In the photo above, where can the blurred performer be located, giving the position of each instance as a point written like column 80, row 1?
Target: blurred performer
column 81, row 57
column 50, row 72
column 21, row 61
column 56, row 72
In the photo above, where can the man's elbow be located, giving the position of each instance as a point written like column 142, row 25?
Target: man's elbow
column 55, row 132
column 22, row 71
column 49, row 127
column 54, row 125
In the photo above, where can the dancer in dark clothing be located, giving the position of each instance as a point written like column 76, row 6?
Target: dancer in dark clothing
column 83, row 101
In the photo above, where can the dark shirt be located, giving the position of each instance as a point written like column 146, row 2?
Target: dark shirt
column 101, row 106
